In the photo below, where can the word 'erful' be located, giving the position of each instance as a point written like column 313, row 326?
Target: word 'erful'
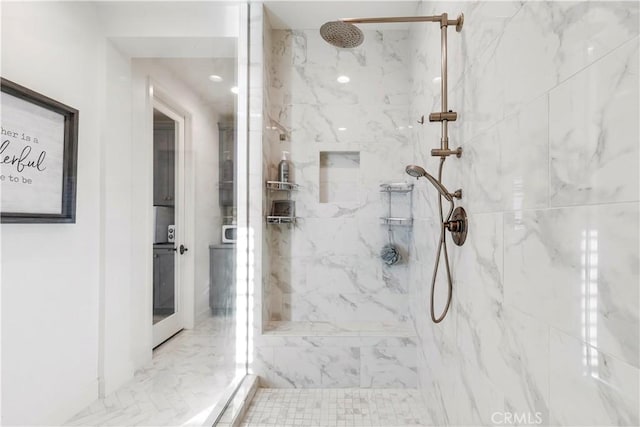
column 22, row 160
column 22, row 136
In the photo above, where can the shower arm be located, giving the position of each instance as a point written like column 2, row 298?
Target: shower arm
column 445, row 115
column 442, row 19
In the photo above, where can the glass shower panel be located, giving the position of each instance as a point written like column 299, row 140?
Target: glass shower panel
column 188, row 299
column 150, row 279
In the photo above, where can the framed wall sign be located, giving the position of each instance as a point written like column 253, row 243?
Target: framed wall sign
column 38, row 156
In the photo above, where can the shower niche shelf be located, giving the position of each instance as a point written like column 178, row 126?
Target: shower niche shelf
column 287, row 187
column 396, row 221
column 401, row 188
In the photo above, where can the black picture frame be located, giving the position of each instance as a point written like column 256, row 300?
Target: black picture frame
column 69, row 161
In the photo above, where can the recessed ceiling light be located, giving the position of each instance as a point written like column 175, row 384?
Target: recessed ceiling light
column 343, row 79
column 234, row 89
column 215, row 78
column 342, row 129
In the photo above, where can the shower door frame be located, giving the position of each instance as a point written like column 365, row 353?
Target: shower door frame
column 243, row 261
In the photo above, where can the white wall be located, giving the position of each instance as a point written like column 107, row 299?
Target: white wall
column 50, row 272
column 115, row 365
column 72, row 293
column 172, row 19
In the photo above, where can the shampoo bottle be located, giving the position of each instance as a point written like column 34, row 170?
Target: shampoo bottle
column 283, row 168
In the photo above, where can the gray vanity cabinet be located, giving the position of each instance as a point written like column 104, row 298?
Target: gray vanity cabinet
column 163, row 280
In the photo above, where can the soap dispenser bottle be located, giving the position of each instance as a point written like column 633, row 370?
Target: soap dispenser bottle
column 283, row 168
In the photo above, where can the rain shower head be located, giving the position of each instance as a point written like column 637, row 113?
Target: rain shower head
column 418, row 172
column 342, row 34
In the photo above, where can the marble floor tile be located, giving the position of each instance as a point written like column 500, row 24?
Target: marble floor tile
column 181, row 385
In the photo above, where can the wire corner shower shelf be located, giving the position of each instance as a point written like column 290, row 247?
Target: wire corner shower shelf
column 397, row 188
column 288, row 187
column 282, row 186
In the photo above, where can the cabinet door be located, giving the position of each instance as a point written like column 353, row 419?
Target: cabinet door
column 156, row 279
column 222, row 290
column 166, row 288
column 163, row 283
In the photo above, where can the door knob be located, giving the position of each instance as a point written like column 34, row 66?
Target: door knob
column 183, row 249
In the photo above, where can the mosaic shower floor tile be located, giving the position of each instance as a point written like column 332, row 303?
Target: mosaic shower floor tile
column 336, row 408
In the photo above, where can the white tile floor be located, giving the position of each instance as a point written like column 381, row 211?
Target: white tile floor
column 336, row 407
column 185, row 379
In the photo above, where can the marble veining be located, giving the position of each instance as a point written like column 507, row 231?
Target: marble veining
column 545, row 320
column 327, row 267
column 365, row 329
column 545, row 315
column 589, row 137
column 582, row 273
column 187, row 377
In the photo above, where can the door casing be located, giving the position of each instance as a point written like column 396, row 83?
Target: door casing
column 183, row 318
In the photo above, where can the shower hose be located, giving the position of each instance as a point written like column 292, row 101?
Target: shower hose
column 441, row 245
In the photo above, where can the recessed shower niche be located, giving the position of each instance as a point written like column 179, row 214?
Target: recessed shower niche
column 339, row 175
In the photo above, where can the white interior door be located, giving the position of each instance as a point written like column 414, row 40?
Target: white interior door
column 168, row 246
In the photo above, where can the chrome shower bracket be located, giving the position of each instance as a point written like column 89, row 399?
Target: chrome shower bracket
column 444, row 116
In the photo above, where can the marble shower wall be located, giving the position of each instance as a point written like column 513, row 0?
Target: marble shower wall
column 310, row 278
column 327, row 267
column 545, row 317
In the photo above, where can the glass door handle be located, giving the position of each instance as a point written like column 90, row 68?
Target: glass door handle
column 183, row 249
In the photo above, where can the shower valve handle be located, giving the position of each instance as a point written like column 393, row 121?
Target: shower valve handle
column 458, row 226
column 454, row 225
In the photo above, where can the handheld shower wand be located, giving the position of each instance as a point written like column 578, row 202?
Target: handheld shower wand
column 418, row 172
column 457, row 226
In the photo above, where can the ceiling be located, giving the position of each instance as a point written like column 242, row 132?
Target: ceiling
column 191, row 39
column 204, row 49
column 312, row 14
column 195, row 72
